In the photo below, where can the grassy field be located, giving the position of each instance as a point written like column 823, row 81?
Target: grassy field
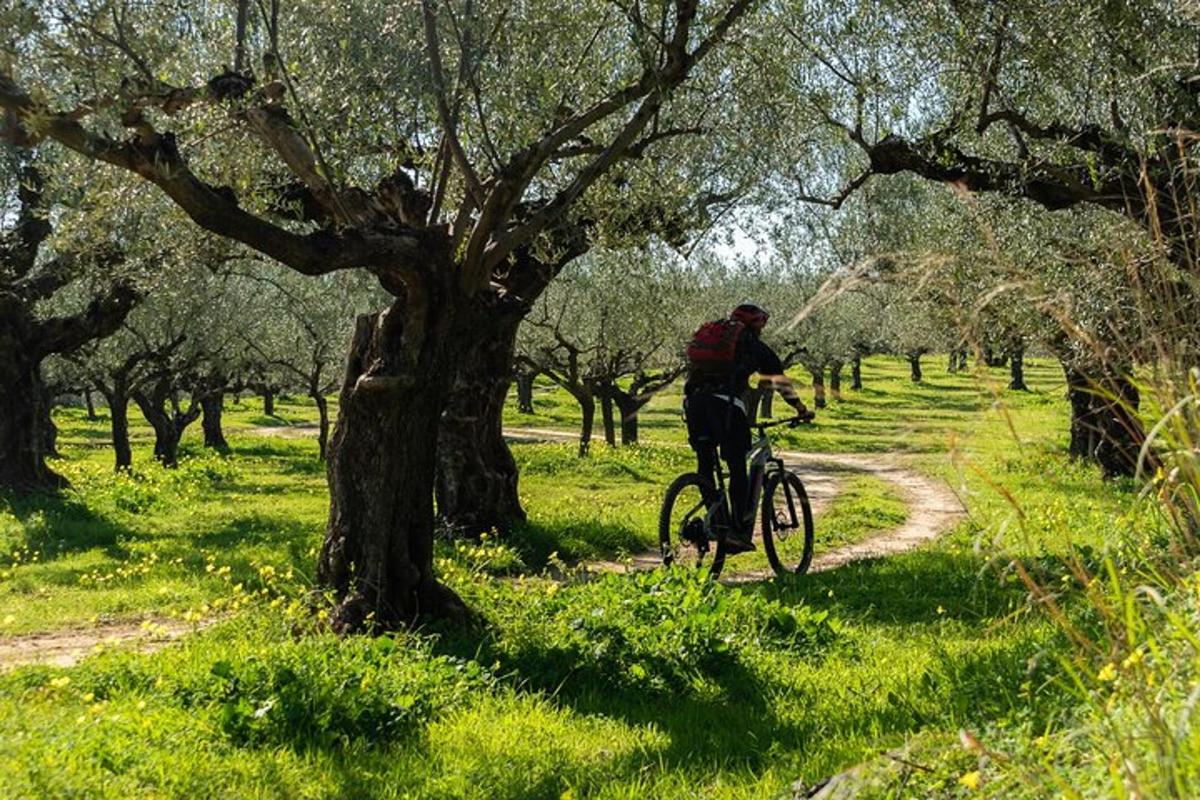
column 652, row 685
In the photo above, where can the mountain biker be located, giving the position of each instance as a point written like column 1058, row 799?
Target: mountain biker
column 715, row 407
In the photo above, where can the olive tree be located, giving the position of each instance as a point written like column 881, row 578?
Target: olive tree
column 56, row 295
column 478, row 147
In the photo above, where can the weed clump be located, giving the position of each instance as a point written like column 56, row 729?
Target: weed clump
column 662, row 632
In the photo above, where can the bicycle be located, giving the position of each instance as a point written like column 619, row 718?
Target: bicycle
column 694, row 519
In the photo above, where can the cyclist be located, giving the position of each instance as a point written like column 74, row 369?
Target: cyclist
column 722, row 357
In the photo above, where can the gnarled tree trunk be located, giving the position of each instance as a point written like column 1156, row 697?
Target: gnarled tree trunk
column 835, row 379
column 169, row 423
column 49, row 429
column 587, row 407
column 818, row 379
column 118, row 412
column 91, row 406
column 476, row 473
column 322, row 424
column 628, row 406
column 268, row 398
column 606, row 415
column 1016, row 364
column 914, row 364
column 1105, row 427
column 211, row 406
column 856, row 372
column 23, row 417
column 524, row 381
column 377, row 557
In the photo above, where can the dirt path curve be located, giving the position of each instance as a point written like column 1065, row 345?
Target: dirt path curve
column 65, row 648
column 933, row 508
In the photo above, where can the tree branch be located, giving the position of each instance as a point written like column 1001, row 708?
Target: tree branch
column 156, row 158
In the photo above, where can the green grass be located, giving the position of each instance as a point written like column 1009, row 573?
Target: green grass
column 656, row 685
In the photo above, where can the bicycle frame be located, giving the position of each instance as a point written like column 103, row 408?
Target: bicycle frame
column 762, row 463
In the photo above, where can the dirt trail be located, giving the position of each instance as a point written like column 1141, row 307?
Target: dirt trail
column 64, row 648
column 932, row 510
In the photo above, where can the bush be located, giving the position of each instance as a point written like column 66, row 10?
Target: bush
column 663, row 632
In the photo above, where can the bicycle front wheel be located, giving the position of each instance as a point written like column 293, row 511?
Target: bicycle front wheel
column 787, row 524
column 682, row 530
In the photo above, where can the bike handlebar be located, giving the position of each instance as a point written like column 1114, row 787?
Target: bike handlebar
column 790, row 422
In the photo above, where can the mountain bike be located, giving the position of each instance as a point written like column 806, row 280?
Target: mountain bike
column 695, row 518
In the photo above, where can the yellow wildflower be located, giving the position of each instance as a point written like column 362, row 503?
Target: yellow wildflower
column 1108, row 673
column 970, row 780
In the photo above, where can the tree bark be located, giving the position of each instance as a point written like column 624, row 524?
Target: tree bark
column 818, row 379
column 211, row 407
column 525, row 392
column 477, row 477
column 322, row 424
column 1105, row 428
column 587, row 406
column 268, row 397
column 628, row 406
column 606, row 415
column 835, row 379
column 49, row 429
column 91, row 406
column 169, row 424
column 23, row 416
column 753, row 399
column 377, row 557
column 766, row 405
column 1016, row 365
column 914, row 363
column 118, row 412
column 856, row 372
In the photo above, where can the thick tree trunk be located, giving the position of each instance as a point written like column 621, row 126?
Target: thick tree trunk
column 766, row 406
column 587, row 406
column 856, row 372
column 23, row 416
column 606, row 415
column 818, row 379
column 525, row 392
column 1016, row 364
column 835, row 380
column 91, row 406
column 629, row 406
column 753, row 400
column 914, row 363
column 168, row 425
column 49, row 429
column 268, row 397
column 1105, row 427
column 957, row 360
column 322, row 424
column 118, row 412
column 476, row 473
column 377, row 558
column 211, row 406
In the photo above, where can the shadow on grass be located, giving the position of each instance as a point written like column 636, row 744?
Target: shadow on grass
column 255, row 529
column 55, row 525
column 572, row 541
column 843, row 702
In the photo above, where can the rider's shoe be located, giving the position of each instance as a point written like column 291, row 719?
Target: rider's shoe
column 694, row 532
column 736, row 544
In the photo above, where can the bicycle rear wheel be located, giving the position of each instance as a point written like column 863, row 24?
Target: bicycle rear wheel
column 682, row 533
column 787, row 524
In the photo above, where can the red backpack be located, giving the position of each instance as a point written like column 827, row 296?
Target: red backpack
column 713, row 345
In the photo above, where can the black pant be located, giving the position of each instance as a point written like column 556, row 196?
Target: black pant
column 714, row 422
